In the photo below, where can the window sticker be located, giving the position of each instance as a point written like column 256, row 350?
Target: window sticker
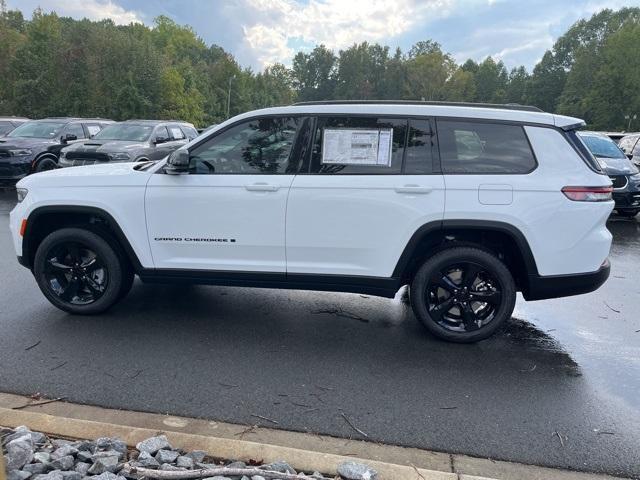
column 345, row 146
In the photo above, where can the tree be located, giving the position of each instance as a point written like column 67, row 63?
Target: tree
column 313, row 74
column 428, row 70
column 491, row 81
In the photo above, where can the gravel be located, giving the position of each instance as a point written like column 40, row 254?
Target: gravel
column 33, row 456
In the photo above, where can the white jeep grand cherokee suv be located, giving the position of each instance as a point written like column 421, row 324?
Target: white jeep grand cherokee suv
column 467, row 204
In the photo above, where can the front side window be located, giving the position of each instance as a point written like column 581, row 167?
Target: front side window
column 74, row 129
column 257, row 146
column 358, row 145
column 162, row 132
column 176, row 133
column 484, row 148
column 93, row 130
column 5, row 127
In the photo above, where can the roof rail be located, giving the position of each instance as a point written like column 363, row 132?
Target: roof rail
column 504, row 106
column 153, row 120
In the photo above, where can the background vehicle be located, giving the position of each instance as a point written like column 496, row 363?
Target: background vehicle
column 339, row 197
column 7, row 124
column 130, row 141
column 615, row 136
column 35, row 145
column 624, row 175
column 630, row 145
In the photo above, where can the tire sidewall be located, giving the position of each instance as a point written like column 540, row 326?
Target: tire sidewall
column 459, row 255
column 44, row 161
column 93, row 241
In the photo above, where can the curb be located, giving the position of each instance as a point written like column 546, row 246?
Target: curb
column 218, row 447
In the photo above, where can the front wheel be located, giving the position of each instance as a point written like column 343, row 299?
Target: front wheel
column 46, row 164
column 78, row 271
column 463, row 294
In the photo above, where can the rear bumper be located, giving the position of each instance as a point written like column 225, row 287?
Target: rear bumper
column 554, row 286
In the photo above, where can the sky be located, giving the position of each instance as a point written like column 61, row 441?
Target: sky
column 262, row 32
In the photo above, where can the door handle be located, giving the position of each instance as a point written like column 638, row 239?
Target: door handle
column 413, row 189
column 262, row 187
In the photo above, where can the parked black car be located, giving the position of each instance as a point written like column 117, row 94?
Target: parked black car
column 130, row 141
column 7, row 124
column 630, row 145
column 35, row 145
column 624, row 175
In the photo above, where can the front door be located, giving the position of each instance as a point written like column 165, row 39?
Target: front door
column 228, row 213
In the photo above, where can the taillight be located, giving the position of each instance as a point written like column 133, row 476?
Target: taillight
column 588, row 194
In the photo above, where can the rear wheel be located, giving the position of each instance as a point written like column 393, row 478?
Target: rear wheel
column 463, row 294
column 79, row 272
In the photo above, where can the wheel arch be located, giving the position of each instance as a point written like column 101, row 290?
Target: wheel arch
column 42, row 155
column 502, row 239
column 44, row 220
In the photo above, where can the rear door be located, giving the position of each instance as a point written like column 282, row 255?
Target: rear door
column 369, row 183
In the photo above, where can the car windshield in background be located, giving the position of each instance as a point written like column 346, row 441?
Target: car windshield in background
column 5, row 127
column 132, row 133
column 602, row 147
column 37, row 130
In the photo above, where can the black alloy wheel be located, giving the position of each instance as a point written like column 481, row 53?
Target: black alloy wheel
column 75, row 273
column 463, row 294
column 46, row 164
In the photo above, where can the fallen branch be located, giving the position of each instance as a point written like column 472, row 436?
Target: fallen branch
column 265, row 418
column 353, row 426
column 39, row 403
column 210, row 472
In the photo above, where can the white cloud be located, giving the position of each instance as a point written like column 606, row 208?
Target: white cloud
column 334, row 23
column 93, row 10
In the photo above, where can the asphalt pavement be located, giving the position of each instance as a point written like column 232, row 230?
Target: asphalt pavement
column 559, row 387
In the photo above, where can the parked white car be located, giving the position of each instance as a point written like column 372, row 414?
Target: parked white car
column 466, row 204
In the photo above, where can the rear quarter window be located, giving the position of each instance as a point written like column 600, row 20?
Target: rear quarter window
column 471, row 147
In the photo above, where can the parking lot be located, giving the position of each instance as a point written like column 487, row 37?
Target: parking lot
column 558, row 387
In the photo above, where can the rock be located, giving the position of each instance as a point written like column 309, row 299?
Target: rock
column 35, row 468
column 217, row 477
column 58, row 442
column 166, row 456
column 237, row 465
column 54, row 475
column 206, row 465
column 17, row 475
column 85, row 455
column 72, row 475
column 168, row 466
column 108, row 453
column 185, row 462
column 103, row 464
column 196, row 455
column 82, row 468
column 64, row 451
column 258, row 477
column 19, row 452
column 86, row 446
column 42, row 457
column 147, row 461
column 153, row 444
column 106, row 476
column 63, row 463
column 278, row 466
column 108, row 443
column 356, row 471
column 36, row 437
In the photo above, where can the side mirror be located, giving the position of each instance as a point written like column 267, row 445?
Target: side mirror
column 630, row 156
column 69, row 137
column 178, row 162
column 160, row 140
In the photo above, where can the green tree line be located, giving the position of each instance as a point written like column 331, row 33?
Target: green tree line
column 53, row 66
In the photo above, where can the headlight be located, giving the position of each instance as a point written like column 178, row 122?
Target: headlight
column 120, row 156
column 22, row 193
column 19, row 152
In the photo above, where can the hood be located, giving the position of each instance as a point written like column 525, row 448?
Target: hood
column 105, row 146
column 100, row 175
column 24, row 142
column 617, row 166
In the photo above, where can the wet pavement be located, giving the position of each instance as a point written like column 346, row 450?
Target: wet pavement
column 559, row 386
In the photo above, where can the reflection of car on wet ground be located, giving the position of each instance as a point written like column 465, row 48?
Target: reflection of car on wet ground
column 624, row 175
column 35, row 145
column 130, row 141
column 7, row 124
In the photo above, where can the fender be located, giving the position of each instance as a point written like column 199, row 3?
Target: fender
column 33, row 217
column 485, row 225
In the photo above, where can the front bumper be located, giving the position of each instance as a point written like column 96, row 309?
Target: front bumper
column 627, row 200
column 555, row 286
column 11, row 172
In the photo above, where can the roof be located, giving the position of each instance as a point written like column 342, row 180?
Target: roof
column 14, row 118
column 134, row 120
column 480, row 111
column 72, row 119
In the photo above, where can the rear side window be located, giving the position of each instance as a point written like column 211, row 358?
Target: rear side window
column 484, row 148
column 176, row 133
column 358, row 146
column 418, row 159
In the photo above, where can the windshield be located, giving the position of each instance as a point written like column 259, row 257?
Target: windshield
column 5, row 127
column 38, row 130
column 602, row 147
column 130, row 132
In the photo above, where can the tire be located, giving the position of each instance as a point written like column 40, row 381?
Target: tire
column 79, row 272
column 628, row 213
column 440, row 301
column 45, row 164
